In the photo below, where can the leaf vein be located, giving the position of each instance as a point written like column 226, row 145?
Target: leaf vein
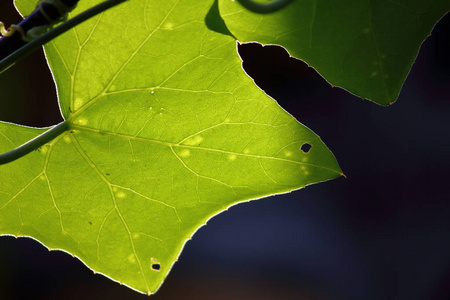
column 170, row 144
column 113, row 197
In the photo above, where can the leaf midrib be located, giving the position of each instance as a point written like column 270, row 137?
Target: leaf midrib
column 190, row 147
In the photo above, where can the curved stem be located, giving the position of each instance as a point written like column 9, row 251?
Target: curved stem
column 34, row 143
column 48, row 36
column 264, row 8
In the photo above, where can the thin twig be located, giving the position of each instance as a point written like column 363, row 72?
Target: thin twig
column 48, row 36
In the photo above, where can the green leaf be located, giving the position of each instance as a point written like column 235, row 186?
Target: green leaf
column 167, row 131
column 366, row 47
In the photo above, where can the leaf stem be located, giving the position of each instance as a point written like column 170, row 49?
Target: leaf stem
column 48, row 36
column 264, row 8
column 34, row 143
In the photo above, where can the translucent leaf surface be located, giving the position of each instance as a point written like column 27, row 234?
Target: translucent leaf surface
column 366, row 47
column 166, row 131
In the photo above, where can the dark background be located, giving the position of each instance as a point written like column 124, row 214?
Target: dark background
column 382, row 233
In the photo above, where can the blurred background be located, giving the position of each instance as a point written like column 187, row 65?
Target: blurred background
column 382, row 233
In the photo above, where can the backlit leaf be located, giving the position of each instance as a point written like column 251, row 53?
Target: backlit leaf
column 167, row 131
column 366, row 47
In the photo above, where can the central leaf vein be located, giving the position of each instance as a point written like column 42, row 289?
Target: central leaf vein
column 170, row 144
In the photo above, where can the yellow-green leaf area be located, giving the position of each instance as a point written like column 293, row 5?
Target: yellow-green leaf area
column 166, row 131
column 366, row 47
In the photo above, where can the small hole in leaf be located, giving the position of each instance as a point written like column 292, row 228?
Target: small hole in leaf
column 306, row 147
column 156, row 266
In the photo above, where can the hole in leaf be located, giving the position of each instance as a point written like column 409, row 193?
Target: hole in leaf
column 306, row 147
column 156, row 266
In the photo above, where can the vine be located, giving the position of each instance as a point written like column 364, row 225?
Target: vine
column 14, row 52
column 264, row 8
